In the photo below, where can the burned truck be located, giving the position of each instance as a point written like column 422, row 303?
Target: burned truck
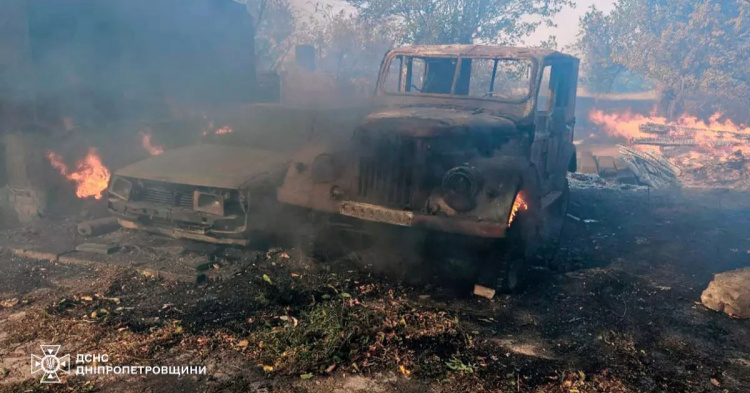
column 469, row 145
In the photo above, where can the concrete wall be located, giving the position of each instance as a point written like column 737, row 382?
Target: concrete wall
column 23, row 194
column 27, row 175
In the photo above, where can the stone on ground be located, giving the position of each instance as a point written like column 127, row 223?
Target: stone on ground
column 729, row 292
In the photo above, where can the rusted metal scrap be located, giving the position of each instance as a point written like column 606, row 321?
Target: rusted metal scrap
column 97, row 248
column 732, row 137
column 653, row 128
column 671, row 141
column 665, row 141
column 650, row 168
column 98, row 227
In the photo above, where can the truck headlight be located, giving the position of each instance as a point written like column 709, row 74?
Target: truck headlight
column 121, row 188
column 208, row 203
column 460, row 186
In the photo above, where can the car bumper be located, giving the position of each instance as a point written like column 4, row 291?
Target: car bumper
column 182, row 234
column 180, row 223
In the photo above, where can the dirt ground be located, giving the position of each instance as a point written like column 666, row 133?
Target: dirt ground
column 625, row 317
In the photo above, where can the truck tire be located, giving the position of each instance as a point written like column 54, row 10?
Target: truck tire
column 324, row 246
column 506, row 266
column 555, row 218
column 318, row 240
column 512, row 271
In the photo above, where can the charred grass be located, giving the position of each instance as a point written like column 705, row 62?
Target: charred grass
column 620, row 323
column 331, row 320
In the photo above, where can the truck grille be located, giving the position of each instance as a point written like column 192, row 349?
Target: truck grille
column 386, row 177
column 168, row 195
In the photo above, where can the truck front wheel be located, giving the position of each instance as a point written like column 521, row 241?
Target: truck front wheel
column 511, row 270
column 505, row 265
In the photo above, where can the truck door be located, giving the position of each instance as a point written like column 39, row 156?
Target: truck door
column 554, row 121
column 540, row 147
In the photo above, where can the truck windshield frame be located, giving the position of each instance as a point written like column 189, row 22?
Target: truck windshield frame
column 454, row 77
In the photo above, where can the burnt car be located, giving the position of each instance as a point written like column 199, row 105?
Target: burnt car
column 222, row 189
column 216, row 193
column 469, row 145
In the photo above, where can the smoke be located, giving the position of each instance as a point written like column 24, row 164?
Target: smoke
column 99, row 61
column 134, row 78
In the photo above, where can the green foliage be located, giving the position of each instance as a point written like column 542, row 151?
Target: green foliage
column 275, row 25
column 685, row 48
column 458, row 365
column 687, row 45
column 351, row 45
column 323, row 333
column 596, row 42
column 345, row 43
column 550, row 43
column 461, row 21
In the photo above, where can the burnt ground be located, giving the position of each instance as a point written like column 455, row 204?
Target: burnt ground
column 625, row 317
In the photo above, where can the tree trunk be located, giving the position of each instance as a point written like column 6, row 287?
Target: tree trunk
column 664, row 103
column 677, row 106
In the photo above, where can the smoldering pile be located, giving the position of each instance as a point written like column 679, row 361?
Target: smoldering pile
column 690, row 157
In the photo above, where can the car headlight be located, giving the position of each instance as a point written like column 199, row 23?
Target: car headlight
column 121, row 188
column 324, row 169
column 460, row 186
column 208, row 203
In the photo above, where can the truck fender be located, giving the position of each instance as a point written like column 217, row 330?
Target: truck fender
column 504, row 178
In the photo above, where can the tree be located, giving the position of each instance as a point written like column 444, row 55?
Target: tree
column 347, row 45
column 686, row 48
column 275, row 24
column 550, row 43
column 461, row 21
column 596, row 42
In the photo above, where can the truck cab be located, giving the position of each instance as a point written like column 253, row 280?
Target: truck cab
column 469, row 140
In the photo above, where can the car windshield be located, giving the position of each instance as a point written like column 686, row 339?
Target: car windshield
column 501, row 78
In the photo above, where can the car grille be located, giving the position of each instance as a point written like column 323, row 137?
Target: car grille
column 386, row 177
column 167, row 194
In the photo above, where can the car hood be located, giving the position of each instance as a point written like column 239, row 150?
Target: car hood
column 427, row 122
column 207, row 165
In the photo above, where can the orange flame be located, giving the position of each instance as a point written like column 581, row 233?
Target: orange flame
column 224, row 130
column 91, row 176
column 152, row 149
column 714, row 140
column 625, row 124
column 518, row 204
column 219, row 131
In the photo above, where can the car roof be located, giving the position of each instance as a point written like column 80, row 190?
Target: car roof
column 477, row 51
